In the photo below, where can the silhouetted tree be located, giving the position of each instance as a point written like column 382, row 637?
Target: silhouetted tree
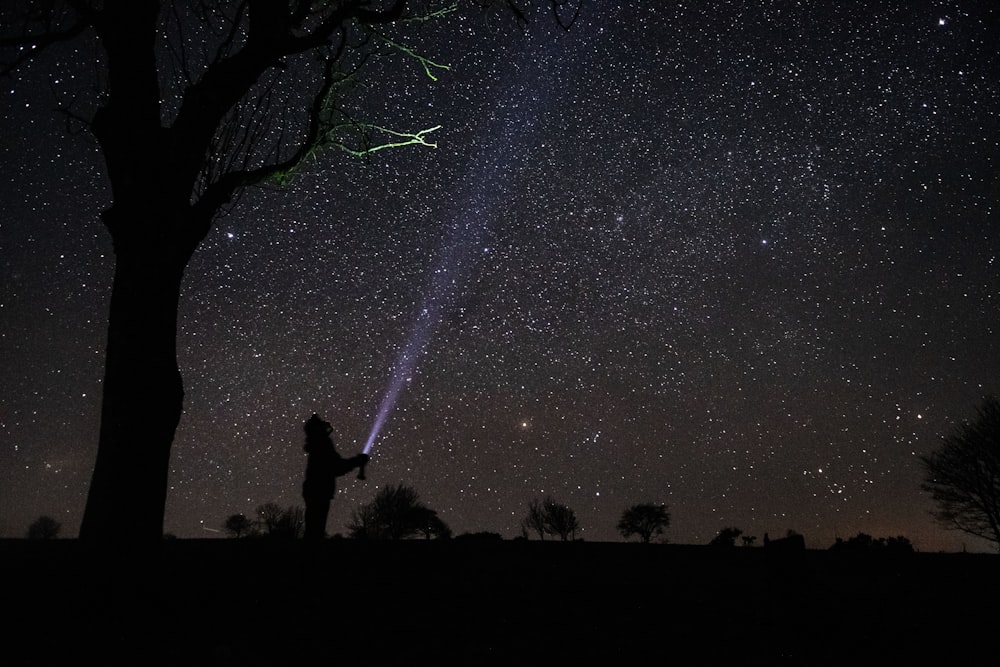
column 290, row 525
column 269, row 516
column 963, row 475
column 431, row 524
column 560, row 520
column 547, row 517
column 395, row 513
column 535, row 520
column 645, row 520
column 364, row 523
column 189, row 103
column 44, row 528
column 748, row 540
column 239, row 525
column 726, row 538
column 273, row 520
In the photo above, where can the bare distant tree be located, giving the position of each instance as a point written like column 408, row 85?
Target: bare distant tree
column 239, row 525
column 44, row 528
column 560, row 520
column 535, row 520
column 269, row 516
column 273, row 520
column 548, row 517
column 645, row 520
column 291, row 524
column 963, row 475
column 364, row 523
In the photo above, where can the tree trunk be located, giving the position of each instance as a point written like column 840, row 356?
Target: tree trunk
column 143, row 395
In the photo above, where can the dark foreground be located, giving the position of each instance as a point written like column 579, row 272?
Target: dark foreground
column 262, row 602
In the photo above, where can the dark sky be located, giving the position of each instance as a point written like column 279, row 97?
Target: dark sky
column 740, row 258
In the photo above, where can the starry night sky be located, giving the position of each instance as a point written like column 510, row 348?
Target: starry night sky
column 739, row 258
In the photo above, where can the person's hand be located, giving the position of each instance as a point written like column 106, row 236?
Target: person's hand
column 362, row 460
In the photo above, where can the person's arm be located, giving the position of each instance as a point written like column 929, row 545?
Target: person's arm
column 359, row 462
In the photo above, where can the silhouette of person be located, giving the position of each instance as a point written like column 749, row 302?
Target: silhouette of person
column 323, row 466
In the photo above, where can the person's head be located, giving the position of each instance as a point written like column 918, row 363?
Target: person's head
column 315, row 426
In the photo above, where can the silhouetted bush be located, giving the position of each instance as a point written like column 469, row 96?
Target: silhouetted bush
column 645, row 520
column 396, row 513
column 726, row 538
column 862, row 542
column 44, row 528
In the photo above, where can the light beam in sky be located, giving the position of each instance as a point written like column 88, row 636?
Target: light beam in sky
column 513, row 134
column 446, row 284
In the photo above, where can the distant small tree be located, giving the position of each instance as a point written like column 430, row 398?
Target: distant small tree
column 364, row 523
column 431, row 524
column 748, row 540
column 395, row 513
column 268, row 517
column 645, row 520
column 239, row 525
column 535, row 520
column 963, row 475
column 291, row 524
column 548, row 517
column 44, row 528
column 726, row 538
column 273, row 520
column 560, row 520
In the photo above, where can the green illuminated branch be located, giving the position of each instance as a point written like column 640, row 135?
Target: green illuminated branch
column 405, row 139
column 435, row 14
column 284, row 176
column 428, row 64
column 331, row 125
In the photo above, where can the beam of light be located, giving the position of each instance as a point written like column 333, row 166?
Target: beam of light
column 447, row 281
column 402, row 372
column 512, row 134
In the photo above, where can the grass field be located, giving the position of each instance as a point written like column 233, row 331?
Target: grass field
column 475, row 602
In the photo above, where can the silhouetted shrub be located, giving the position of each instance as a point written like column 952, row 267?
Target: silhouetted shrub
column 44, row 528
column 645, row 520
column 863, row 542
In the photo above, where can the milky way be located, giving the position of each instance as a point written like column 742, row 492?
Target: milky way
column 741, row 260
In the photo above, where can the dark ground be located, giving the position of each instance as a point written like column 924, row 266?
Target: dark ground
column 266, row 602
